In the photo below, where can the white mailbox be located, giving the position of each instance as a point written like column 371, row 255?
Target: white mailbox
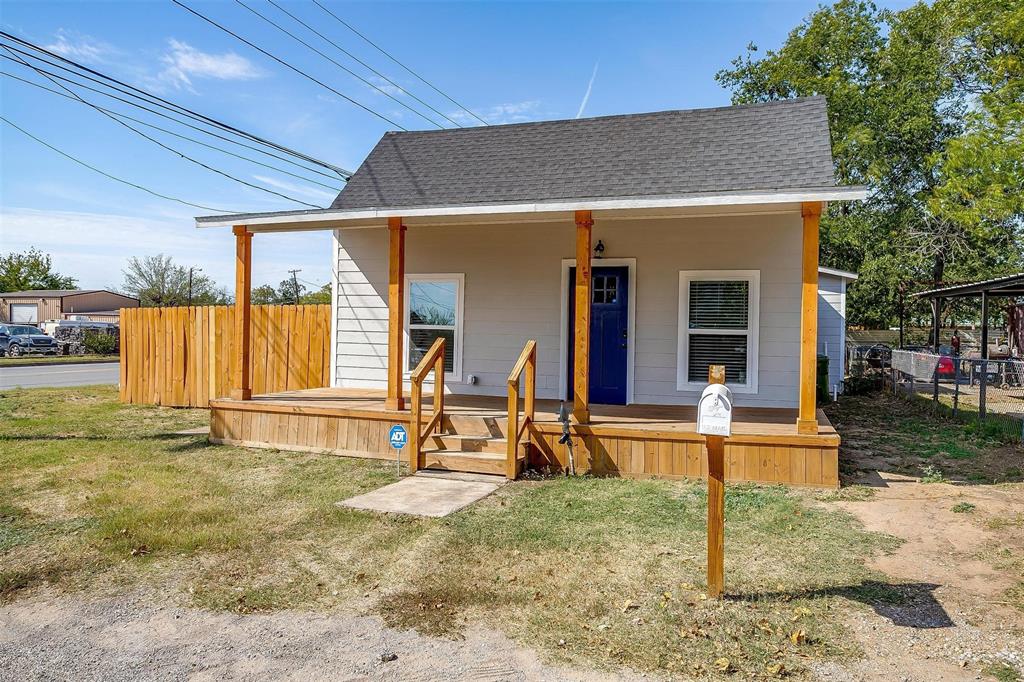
column 714, row 411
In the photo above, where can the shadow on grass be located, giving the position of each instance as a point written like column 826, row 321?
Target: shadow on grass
column 910, row 605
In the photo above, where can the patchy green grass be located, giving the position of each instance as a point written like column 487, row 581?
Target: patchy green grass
column 613, row 571
column 905, row 436
column 1002, row 672
column 95, row 488
column 848, row 493
column 28, row 360
column 605, row 572
column 963, row 508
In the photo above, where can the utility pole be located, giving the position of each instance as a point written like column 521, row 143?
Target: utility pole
column 190, row 271
column 295, row 282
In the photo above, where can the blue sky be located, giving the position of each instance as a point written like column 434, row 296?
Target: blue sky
column 508, row 62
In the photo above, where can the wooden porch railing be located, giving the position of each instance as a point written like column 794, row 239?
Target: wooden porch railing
column 433, row 360
column 527, row 363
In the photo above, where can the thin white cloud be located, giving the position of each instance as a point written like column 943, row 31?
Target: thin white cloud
column 183, row 63
column 586, row 95
column 292, row 188
column 81, row 48
column 381, row 85
column 511, row 112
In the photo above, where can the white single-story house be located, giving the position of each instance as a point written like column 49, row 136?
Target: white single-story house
column 832, row 285
column 610, row 261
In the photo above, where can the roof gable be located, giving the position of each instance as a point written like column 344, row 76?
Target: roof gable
column 769, row 146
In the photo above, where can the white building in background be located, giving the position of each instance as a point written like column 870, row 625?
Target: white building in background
column 832, row 322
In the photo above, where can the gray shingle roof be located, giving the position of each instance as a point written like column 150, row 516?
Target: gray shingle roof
column 768, row 146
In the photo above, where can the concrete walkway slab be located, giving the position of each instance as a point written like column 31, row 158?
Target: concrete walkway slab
column 430, row 495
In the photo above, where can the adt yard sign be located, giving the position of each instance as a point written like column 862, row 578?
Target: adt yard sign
column 398, row 436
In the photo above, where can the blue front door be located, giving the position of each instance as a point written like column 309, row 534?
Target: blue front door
column 609, row 334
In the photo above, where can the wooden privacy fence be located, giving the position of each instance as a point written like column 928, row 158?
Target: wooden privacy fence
column 182, row 357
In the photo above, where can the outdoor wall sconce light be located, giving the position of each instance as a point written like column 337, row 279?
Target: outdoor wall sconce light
column 599, row 249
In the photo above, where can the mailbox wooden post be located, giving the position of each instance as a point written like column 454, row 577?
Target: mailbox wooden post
column 716, row 500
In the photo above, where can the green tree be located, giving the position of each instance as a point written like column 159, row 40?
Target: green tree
column 264, row 295
column 290, row 291
column 899, row 109
column 32, row 269
column 158, row 281
column 983, row 171
column 321, row 295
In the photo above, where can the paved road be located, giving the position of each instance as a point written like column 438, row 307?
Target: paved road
column 59, row 375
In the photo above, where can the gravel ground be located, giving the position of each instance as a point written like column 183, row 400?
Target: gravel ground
column 955, row 652
column 128, row 638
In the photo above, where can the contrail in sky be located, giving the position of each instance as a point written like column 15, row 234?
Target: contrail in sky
column 586, row 95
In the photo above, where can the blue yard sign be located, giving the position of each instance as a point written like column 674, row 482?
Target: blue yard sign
column 398, row 437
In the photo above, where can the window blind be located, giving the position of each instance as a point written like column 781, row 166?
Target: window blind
column 718, row 349
column 719, row 304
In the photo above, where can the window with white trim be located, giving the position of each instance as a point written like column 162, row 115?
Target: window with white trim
column 434, row 309
column 718, row 324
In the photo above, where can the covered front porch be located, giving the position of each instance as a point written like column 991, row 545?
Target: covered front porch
column 457, row 429
column 636, row 441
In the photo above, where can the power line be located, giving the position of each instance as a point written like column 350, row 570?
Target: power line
column 108, row 175
column 154, row 111
column 284, row 63
column 389, row 56
column 178, row 135
column 339, row 65
column 155, row 99
column 161, row 144
column 360, row 61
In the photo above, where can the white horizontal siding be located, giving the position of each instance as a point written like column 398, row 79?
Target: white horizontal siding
column 832, row 325
column 513, row 293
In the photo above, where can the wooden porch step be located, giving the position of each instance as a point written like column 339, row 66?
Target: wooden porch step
column 480, row 426
column 460, row 460
column 470, row 443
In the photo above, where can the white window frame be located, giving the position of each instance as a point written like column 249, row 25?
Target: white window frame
column 753, row 277
column 460, row 282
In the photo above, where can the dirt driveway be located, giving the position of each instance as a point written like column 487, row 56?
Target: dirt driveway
column 49, row 637
column 960, row 567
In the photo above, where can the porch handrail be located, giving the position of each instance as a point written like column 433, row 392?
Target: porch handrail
column 526, row 364
column 433, row 360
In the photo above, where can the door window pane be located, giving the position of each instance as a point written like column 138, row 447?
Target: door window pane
column 606, row 289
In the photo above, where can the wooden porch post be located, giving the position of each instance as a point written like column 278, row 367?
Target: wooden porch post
column 242, row 385
column 584, row 284
column 807, row 421
column 396, row 312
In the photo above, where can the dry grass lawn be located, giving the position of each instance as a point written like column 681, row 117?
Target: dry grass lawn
column 97, row 495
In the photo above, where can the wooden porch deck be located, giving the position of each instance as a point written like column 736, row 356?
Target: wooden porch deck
column 635, row 441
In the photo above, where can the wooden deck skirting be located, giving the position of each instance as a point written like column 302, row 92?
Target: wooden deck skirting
column 639, row 441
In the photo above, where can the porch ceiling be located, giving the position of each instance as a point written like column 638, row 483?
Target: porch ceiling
column 562, row 211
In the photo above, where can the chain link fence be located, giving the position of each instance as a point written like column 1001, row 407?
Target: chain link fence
column 988, row 393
